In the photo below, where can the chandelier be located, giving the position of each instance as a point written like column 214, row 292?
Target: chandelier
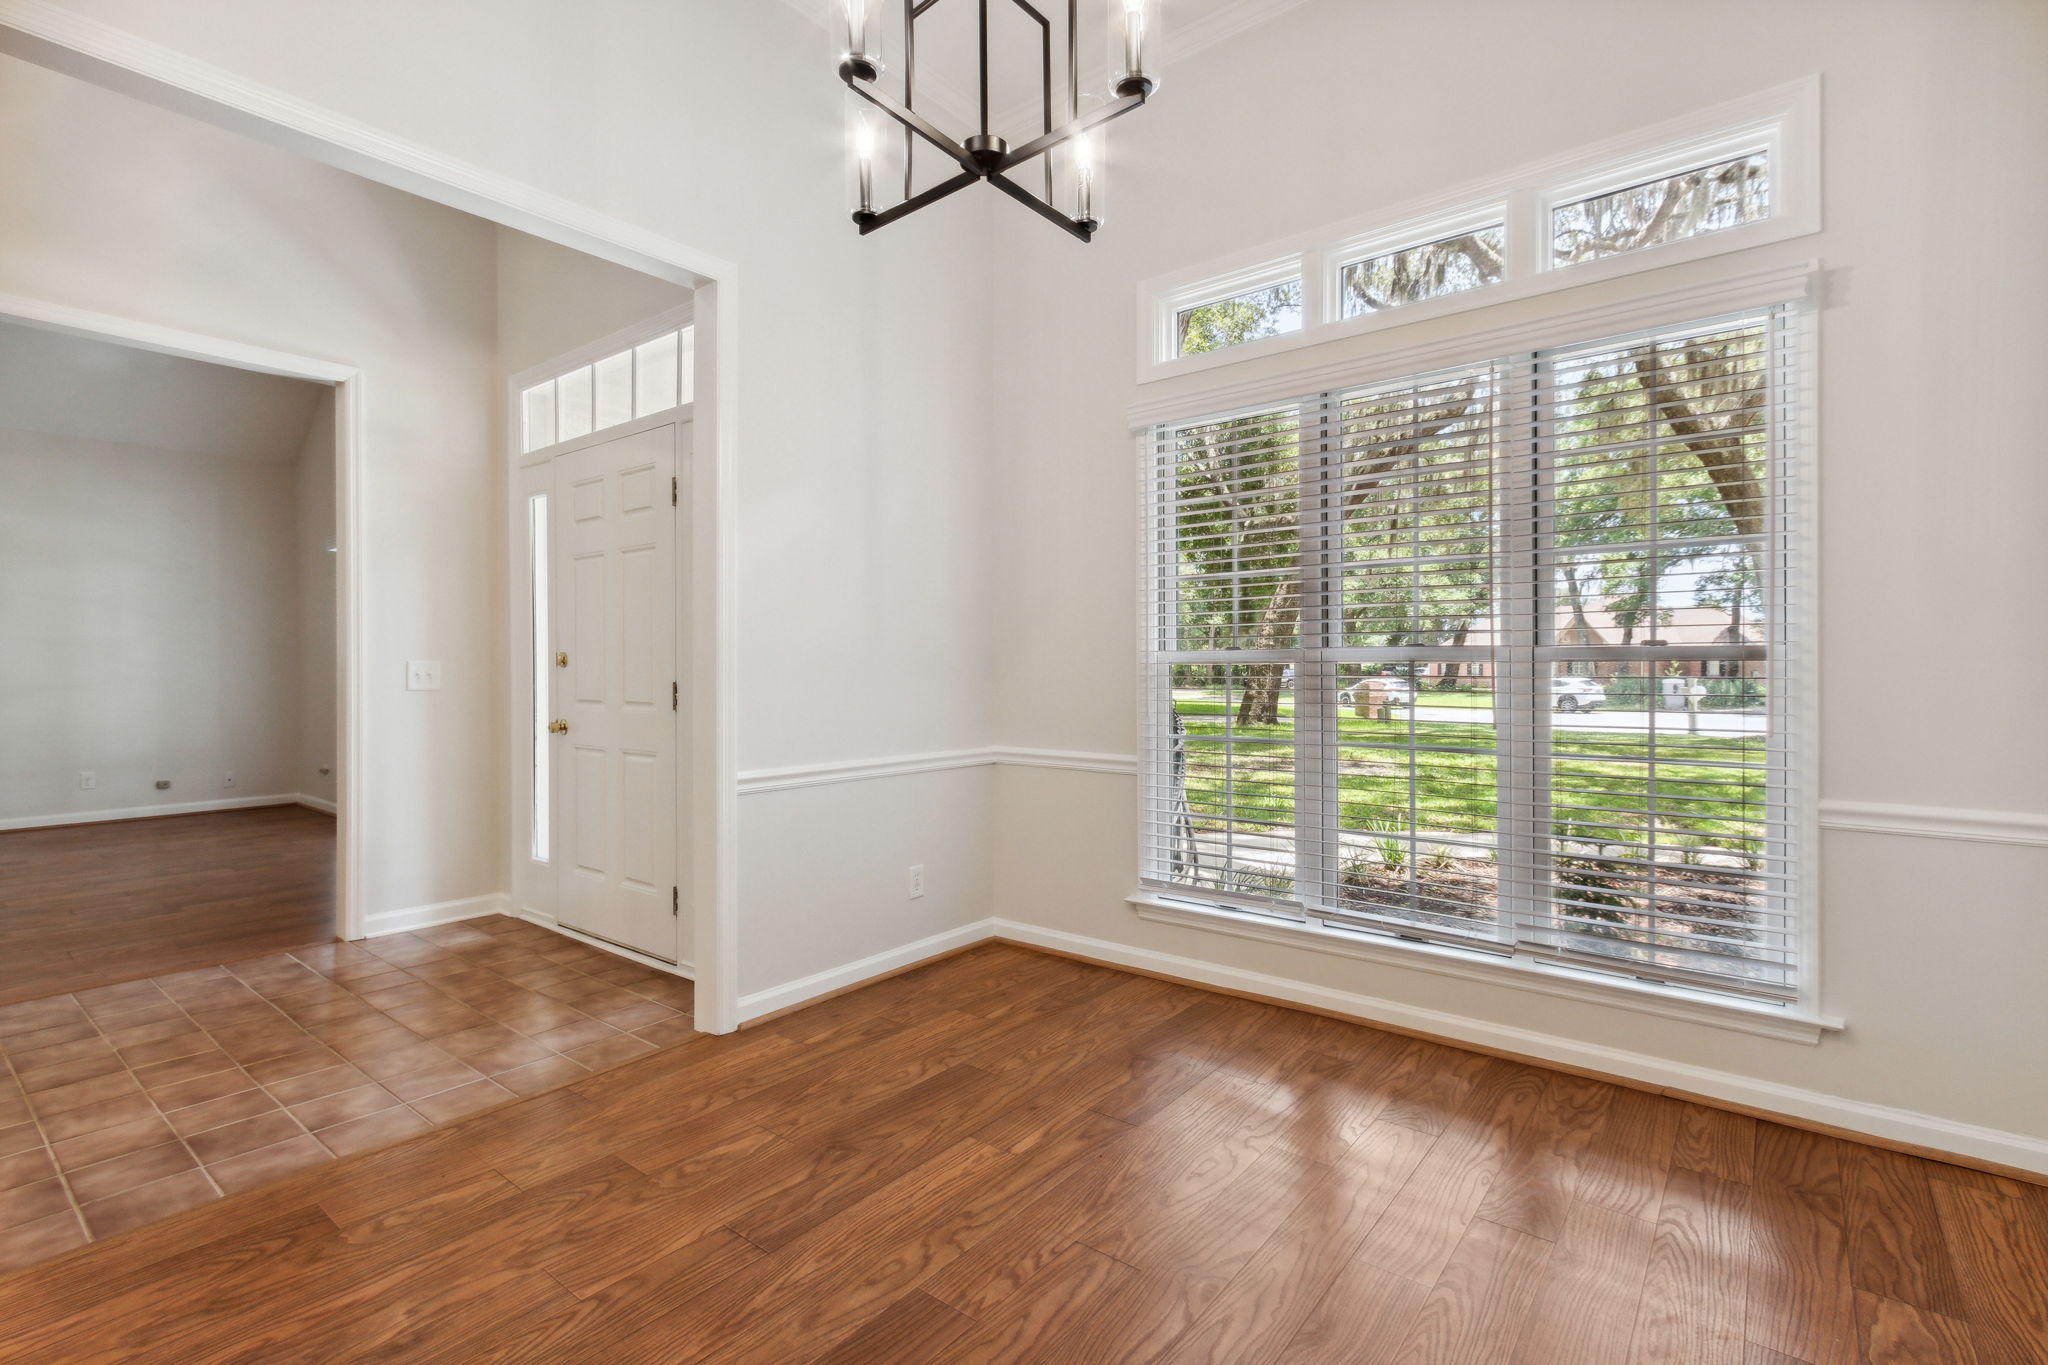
column 1133, row 31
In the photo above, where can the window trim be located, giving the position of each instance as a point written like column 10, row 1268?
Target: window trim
column 1799, row 1019
column 1783, row 121
column 1526, row 974
column 1223, row 288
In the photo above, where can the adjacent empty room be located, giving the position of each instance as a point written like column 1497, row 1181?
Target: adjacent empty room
column 167, row 697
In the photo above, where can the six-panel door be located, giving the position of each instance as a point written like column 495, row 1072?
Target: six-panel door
column 614, row 577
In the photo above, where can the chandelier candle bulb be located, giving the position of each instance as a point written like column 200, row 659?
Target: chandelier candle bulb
column 864, row 154
column 1134, row 47
column 859, row 59
column 1087, row 166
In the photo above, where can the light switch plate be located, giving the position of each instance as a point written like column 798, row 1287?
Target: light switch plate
column 423, row 675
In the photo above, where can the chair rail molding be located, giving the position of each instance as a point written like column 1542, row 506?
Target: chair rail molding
column 2022, row 828
column 1936, row 822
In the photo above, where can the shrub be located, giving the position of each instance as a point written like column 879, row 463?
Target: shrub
column 1730, row 694
column 1626, row 692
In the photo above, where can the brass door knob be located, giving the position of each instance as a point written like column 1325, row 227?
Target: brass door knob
column 561, row 661
column 558, row 727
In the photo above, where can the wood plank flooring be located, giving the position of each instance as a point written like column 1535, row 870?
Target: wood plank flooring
column 1007, row 1156
column 93, row 905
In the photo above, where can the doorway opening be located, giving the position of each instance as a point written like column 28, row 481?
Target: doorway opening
column 169, row 557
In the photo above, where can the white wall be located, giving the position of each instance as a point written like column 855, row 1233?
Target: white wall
column 148, row 600
column 902, row 595
column 864, row 491
column 1931, row 556
column 147, row 215
column 552, row 300
column 319, row 679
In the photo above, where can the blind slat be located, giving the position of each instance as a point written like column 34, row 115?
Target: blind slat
column 1495, row 655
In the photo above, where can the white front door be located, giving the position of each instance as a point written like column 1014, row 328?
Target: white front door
column 615, row 690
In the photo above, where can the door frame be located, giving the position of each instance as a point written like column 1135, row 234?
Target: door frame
column 530, row 472
column 347, row 383
column 708, row 835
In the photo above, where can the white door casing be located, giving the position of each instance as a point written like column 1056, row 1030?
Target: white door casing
column 613, row 617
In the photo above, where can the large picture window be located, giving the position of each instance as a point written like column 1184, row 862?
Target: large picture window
column 1491, row 657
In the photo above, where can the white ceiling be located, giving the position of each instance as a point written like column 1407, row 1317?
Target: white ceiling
column 97, row 390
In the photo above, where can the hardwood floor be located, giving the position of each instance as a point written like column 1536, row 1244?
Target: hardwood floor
column 1009, row 1156
column 94, row 905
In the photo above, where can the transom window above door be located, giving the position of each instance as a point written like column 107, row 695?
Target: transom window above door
column 635, row 382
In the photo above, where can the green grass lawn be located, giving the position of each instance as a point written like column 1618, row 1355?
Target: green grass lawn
column 1600, row 788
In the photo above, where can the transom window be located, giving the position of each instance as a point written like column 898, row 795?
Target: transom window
column 636, row 382
column 1449, row 265
column 1669, row 209
column 1492, row 657
column 1718, row 181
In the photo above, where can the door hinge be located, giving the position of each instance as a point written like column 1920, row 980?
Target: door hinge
column 673, row 494
column 675, row 696
column 675, row 901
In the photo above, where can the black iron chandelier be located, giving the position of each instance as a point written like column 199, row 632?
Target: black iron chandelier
column 1133, row 31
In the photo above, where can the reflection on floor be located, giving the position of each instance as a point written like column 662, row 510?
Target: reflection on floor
column 87, row 905
column 124, row 1104
column 1006, row 1156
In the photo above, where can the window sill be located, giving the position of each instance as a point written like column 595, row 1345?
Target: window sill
column 1670, row 1002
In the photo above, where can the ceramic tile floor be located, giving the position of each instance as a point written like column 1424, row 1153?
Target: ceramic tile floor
column 129, row 1103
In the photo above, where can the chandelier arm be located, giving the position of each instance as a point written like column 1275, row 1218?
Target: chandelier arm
column 1039, row 146
column 912, row 120
column 1039, row 206
column 870, row 222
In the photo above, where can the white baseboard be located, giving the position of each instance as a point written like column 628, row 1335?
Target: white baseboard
column 319, row 803
column 1856, row 1116
column 94, row 817
column 686, row 970
column 792, row 993
column 382, row 922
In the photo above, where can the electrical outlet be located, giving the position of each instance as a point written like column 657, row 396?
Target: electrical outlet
column 227, row 780
column 88, row 782
column 916, row 880
column 423, row 675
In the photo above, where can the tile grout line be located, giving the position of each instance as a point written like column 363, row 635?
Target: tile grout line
column 150, row 1095
column 181, row 1010
column 35, row 1116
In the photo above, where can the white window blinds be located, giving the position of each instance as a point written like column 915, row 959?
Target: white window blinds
column 1493, row 656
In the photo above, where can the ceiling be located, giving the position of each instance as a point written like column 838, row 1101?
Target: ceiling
column 97, row 390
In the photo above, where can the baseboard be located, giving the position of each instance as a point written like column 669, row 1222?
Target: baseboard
column 96, row 817
column 811, row 989
column 1921, row 1134
column 686, row 970
column 319, row 803
column 414, row 917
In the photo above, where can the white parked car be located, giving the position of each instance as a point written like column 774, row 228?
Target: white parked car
column 1577, row 694
column 1397, row 691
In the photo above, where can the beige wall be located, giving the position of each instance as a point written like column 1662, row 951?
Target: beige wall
column 933, row 559
column 150, row 216
column 864, row 489
column 149, row 605
column 1930, row 347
